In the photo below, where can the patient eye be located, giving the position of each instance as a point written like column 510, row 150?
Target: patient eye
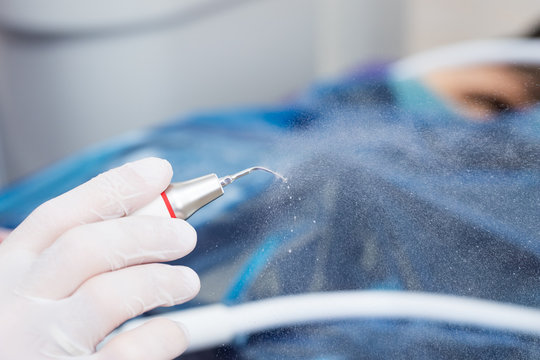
column 489, row 104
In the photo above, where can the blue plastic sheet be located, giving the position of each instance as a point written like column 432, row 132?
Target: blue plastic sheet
column 380, row 196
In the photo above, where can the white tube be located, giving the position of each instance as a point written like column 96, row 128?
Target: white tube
column 214, row 325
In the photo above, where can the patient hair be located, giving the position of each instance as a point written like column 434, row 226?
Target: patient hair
column 535, row 31
column 532, row 71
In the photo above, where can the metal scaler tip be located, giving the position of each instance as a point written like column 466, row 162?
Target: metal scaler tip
column 226, row 180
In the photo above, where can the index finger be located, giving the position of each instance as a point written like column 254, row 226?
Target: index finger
column 113, row 194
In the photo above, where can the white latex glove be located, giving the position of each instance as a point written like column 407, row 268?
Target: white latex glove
column 4, row 234
column 77, row 268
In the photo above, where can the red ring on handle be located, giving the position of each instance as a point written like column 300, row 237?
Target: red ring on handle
column 168, row 205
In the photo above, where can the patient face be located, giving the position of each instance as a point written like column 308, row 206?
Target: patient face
column 484, row 91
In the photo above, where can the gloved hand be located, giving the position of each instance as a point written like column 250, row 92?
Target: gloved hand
column 4, row 234
column 77, row 268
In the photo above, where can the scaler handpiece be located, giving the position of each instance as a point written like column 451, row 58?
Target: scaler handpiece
column 183, row 199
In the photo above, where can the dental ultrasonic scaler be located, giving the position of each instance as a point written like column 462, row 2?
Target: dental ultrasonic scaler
column 183, row 199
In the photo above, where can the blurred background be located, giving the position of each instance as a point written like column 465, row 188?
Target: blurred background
column 73, row 74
